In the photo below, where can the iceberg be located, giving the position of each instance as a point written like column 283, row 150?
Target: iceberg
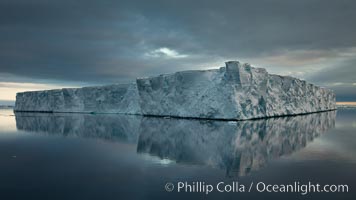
column 234, row 92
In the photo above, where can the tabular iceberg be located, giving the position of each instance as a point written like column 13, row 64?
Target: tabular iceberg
column 235, row 92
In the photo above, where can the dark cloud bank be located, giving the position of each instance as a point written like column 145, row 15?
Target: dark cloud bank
column 97, row 42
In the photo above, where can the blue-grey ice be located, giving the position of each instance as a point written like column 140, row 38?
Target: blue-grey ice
column 234, row 92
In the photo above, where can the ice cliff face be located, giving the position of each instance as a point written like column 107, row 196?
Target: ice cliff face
column 119, row 98
column 237, row 91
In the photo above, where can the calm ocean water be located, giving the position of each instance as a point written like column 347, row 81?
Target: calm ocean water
column 86, row 156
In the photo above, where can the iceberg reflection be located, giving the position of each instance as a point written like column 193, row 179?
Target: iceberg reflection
column 236, row 147
column 103, row 126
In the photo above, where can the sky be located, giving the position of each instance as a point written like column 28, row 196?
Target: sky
column 53, row 44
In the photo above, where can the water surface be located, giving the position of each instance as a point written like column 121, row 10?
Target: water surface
column 86, row 156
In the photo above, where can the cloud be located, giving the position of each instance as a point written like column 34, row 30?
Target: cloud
column 338, row 75
column 165, row 53
column 341, row 72
column 100, row 42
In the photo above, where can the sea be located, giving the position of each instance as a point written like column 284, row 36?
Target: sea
column 110, row 156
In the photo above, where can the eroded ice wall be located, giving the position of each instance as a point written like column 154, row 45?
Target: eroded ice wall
column 118, row 98
column 237, row 91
